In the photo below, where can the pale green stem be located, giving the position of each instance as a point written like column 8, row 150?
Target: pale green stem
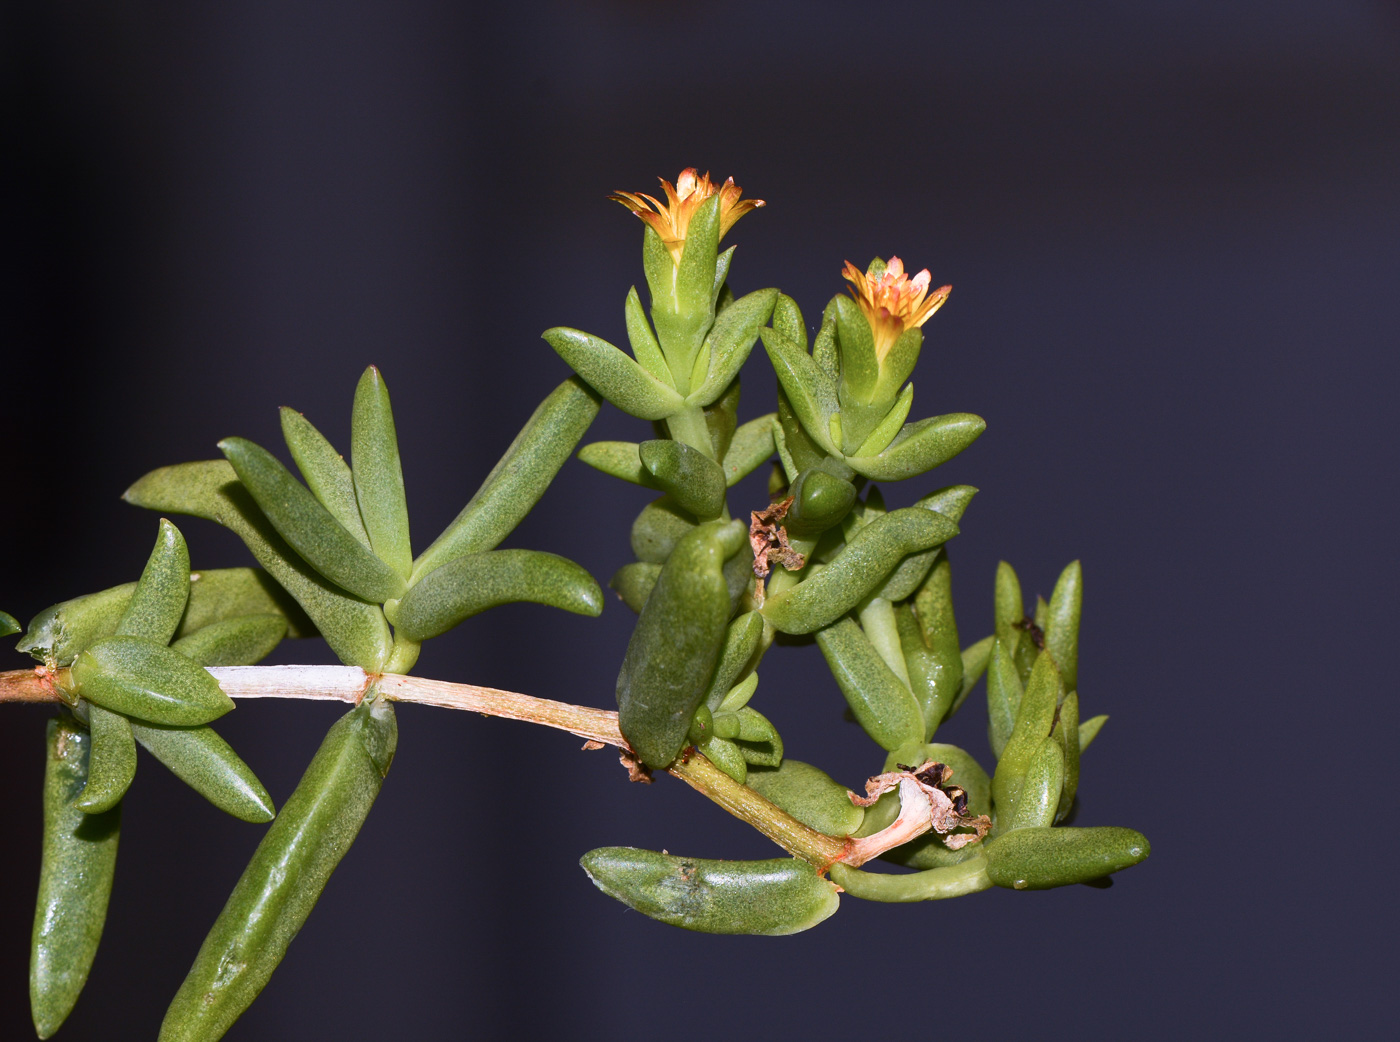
column 689, row 428
column 968, row 877
column 877, row 619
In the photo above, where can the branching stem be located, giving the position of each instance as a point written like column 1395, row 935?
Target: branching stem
column 350, row 683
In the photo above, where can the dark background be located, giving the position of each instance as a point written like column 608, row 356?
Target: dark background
column 1173, row 233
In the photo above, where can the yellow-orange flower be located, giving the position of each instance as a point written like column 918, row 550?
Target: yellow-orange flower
column 671, row 220
column 892, row 302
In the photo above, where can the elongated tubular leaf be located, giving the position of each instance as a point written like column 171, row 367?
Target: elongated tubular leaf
column 613, row 374
column 618, row 458
column 809, row 391
column 882, row 705
column 1037, row 859
column 724, row 753
column 62, row 630
column 787, row 320
column 1062, row 623
column 1007, row 606
column 934, row 670
column 751, row 446
column 112, row 764
column 730, row 340
column 75, row 881
column 9, row 625
column 158, row 602
column 207, row 764
column 1066, row 733
column 934, row 884
column 921, row 446
column 975, row 658
column 676, row 643
column 1089, row 730
column 326, row 472
column 308, row 526
column 692, row 479
column 1003, row 696
column 242, row 641
column 378, row 474
column 858, row 570
column 355, row 630
column 696, row 282
column 471, row 584
column 1034, row 721
column 742, row 643
column 137, row 677
column 519, row 477
column 660, row 525
column 885, row 431
column 634, row 582
column 774, row 897
column 952, row 503
column 645, row 347
column 1039, row 795
column 286, row 875
column 810, row 795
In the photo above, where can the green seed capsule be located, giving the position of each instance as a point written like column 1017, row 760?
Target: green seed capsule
column 1039, row 795
column 159, row 599
column 75, row 881
column 135, row 677
column 676, row 643
column 775, row 897
column 810, row 795
column 112, row 763
column 882, row 705
column 856, row 572
column 1034, row 720
column 286, row 875
column 1038, row 859
column 692, row 479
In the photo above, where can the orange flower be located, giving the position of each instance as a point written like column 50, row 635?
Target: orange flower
column 892, row 302
column 671, row 220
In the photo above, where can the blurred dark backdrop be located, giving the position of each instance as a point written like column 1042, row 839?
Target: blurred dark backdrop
column 1172, row 232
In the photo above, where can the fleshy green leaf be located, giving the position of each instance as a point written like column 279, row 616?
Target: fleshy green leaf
column 137, row 677
column 692, row 479
column 920, row 447
column 810, row 795
column 613, row 374
column 1062, row 623
column 209, row 766
column 112, row 764
column 519, row 478
column 658, row 528
column 634, row 582
column 787, row 320
column 158, row 602
column 618, row 458
column 8, row 624
column 1089, row 730
column 326, row 472
column 809, row 392
column 242, row 641
column 309, row 527
column 355, row 630
column 1040, row 790
column 882, row 705
column 645, row 347
column 374, row 464
column 885, row 431
column 750, row 446
column 471, row 584
column 743, row 642
column 775, row 897
column 858, row 570
column 1037, row 859
column 1004, row 696
column 1034, row 720
column 730, row 341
